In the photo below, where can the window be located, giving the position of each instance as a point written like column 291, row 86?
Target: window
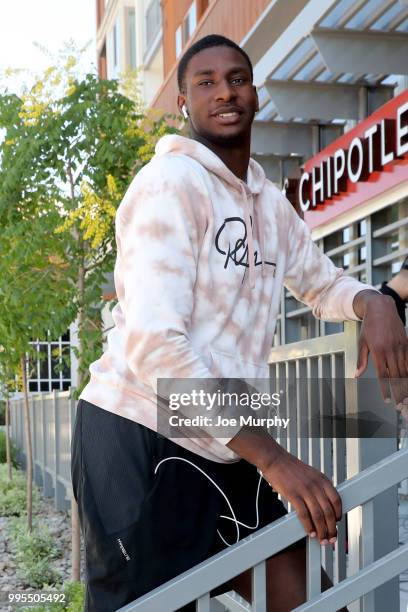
column 185, row 31
column 189, row 23
column 179, row 41
column 115, row 44
column 131, row 37
column 51, row 368
column 153, row 23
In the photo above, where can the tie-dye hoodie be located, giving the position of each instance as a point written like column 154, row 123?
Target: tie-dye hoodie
column 201, row 260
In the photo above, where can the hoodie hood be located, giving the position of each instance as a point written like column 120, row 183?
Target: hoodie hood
column 173, row 143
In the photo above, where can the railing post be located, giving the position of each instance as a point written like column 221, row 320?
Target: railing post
column 339, row 464
column 383, row 518
column 259, row 587
column 59, row 494
column 203, row 604
column 34, row 435
column 313, row 568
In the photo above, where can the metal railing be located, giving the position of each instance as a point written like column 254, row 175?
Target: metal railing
column 369, row 568
column 52, row 421
column 372, row 530
column 251, row 553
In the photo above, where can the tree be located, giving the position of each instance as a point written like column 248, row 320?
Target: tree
column 36, row 297
column 75, row 153
column 71, row 146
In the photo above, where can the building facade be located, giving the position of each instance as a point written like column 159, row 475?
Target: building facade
column 322, row 69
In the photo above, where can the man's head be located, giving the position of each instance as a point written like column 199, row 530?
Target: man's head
column 215, row 83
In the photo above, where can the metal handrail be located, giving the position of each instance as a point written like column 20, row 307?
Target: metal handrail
column 251, row 552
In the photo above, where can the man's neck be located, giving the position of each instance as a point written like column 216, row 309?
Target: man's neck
column 235, row 157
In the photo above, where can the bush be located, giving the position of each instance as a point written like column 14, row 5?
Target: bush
column 13, row 450
column 13, row 493
column 74, row 594
column 32, row 553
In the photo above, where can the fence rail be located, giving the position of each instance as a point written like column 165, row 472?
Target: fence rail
column 251, row 552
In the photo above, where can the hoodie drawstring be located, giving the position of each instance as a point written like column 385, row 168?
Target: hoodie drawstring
column 261, row 237
column 250, row 238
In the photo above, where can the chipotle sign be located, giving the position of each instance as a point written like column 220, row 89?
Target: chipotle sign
column 369, row 159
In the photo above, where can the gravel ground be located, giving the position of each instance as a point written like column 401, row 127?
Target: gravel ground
column 59, row 524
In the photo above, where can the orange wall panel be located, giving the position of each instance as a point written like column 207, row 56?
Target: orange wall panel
column 173, row 12
column 100, row 11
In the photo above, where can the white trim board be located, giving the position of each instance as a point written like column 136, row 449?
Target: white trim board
column 363, row 210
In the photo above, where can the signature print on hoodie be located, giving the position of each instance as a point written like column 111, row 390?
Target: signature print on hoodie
column 236, row 249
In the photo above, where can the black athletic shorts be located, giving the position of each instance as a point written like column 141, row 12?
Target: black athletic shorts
column 142, row 528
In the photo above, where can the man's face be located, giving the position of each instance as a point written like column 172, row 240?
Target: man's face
column 219, row 95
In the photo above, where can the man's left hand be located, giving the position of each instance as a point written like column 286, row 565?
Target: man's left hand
column 383, row 335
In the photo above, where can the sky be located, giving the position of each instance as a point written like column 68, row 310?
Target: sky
column 48, row 22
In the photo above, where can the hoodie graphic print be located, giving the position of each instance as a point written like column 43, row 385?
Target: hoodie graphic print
column 201, row 260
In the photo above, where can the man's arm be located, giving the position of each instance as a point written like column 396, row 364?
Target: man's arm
column 316, row 501
column 160, row 226
column 315, row 280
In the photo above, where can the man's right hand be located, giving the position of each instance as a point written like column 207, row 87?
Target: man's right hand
column 312, row 495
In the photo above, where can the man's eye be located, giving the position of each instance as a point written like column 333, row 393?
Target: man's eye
column 241, row 79
column 203, row 82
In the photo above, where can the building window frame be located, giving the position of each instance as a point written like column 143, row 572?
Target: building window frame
column 131, row 42
column 179, row 41
column 186, row 28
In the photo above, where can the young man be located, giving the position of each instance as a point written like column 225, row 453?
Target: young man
column 205, row 244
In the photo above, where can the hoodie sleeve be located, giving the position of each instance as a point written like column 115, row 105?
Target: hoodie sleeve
column 313, row 278
column 159, row 228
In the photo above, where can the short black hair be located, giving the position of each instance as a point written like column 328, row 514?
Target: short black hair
column 212, row 40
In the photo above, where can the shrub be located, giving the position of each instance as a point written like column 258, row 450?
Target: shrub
column 75, row 595
column 32, row 553
column 13, row 450
column 13, row 493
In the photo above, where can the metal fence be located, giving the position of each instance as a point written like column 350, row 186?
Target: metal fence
column 371, row 529
column 52, row 421
column 252, row 552
column 366, row 472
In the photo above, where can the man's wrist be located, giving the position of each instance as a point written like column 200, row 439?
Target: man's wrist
column 256, row 446
column 400, row 284
column 366, row 298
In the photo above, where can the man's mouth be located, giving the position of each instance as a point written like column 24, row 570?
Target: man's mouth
column 228, row 118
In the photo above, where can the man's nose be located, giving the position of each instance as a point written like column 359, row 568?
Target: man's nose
column 225, row 91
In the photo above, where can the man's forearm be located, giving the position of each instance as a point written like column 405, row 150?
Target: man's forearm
column 256, row 446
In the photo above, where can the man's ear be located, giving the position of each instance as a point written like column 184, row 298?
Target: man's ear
column 181, row 100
